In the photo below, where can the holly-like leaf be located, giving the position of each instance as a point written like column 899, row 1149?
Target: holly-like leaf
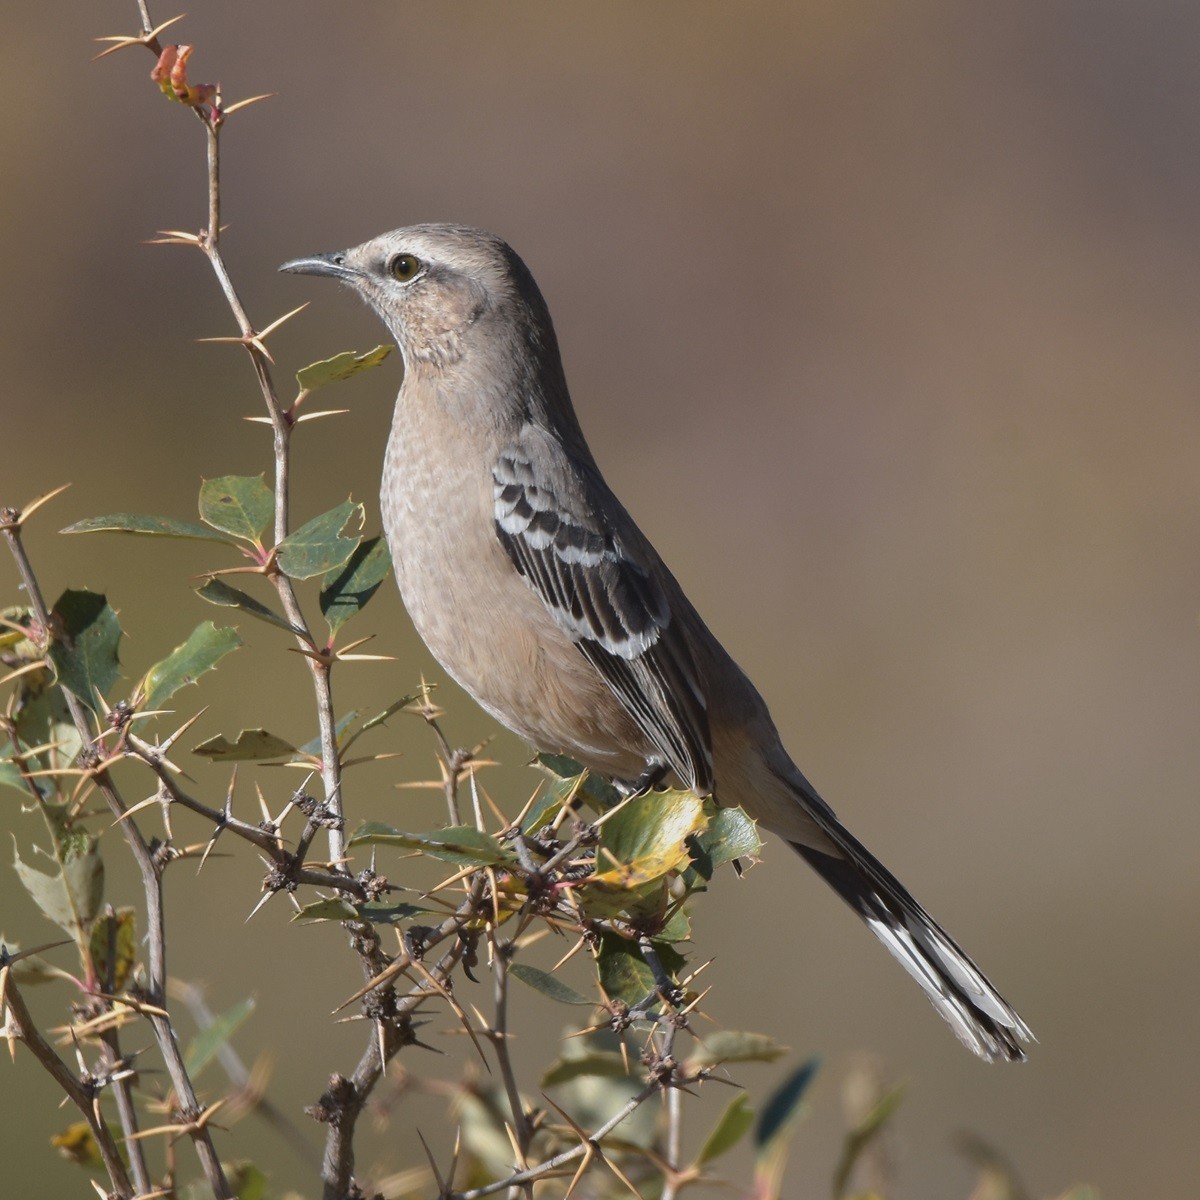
column 340, row 366
column 205, row 647
column 113, row 948
column 625, row 974
column 348, row 589
column 217, row 591
column 730, row 834
column 318, row 547
column 566, row 773
column 206, row 1045
column 733, row 1124
column 71, row 896
column 731, row 1045
column 84, row 651
column 544, row 982
column 462, row 844
column 237, row 504
column 146, row 525
column 252, row 745
column 640, row 844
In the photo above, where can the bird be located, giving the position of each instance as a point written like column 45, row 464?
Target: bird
column 538, row 593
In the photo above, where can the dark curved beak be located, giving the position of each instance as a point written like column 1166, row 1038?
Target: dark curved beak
column 334, row 265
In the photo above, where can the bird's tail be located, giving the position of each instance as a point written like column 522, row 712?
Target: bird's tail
column 981, row 1018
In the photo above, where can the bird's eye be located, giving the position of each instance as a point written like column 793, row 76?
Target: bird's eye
column 404, row 267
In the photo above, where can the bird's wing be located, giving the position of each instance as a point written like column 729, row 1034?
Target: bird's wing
column 556, row 520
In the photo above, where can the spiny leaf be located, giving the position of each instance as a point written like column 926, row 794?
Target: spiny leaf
column 625, row 974
column 251, row 745
column 391, row 914
column 237, row 504
column 730, row 834
column 861, row 1136
column 318, row 547
column 147, row 525
column 730, row 1045
column 340, row 366
column 85, row 651
column 733, row 1125
column 639, row 845
column 205, row 647
column 347, row 590
column 206, row 1045
column 544, row 982
column 217, row 591
column 71, row 896
column 461, row 844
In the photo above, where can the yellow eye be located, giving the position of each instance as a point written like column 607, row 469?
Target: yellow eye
column 404, row 267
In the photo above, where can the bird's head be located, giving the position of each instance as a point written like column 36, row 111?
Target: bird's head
column 441, row 290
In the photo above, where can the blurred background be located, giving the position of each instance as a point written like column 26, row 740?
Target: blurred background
column 881, row 319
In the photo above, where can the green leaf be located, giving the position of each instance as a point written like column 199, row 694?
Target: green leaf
column 566, row 772
column 141, row 524
column 731, row 834
column 544, row 982
column 391, row 914
column 463, row 844
column 318, row 547
column 775, row 1128
column 608, row 1065
column 205, row 647
column 114, row 939
column 217, row 591
column 639, row 844
column 248, row 1182
column 312, row 748
column 733, row 1125
column 379, row 718
column 784, row 1105
column 861, row 1136
column 237, row 504
column 84, row 651
column 332, row 909
column 625, row 974
column 347, row 590
column 251, row 746
column 340, row 366
column 71, row 896
column 207, row 1044
column 730, row 1045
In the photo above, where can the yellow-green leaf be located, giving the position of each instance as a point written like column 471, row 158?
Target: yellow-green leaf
column 340, row 366
column 237, row 504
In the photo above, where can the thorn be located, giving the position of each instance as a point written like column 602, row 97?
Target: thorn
column 228, row 112
column 142, row 39
column 433, row 1166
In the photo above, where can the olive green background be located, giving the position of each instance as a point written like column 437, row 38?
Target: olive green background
column 881, row 318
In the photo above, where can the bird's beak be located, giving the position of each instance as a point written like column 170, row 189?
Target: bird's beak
column 334, row 265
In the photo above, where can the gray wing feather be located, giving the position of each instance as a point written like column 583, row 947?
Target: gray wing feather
column 556, row 524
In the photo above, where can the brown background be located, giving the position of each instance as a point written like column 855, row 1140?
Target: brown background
column 882, row 318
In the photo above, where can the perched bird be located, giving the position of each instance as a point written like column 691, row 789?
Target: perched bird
column 537, row 592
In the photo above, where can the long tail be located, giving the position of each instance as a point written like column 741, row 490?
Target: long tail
column 981, row 1018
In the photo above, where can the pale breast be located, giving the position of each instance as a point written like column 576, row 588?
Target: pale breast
column 479, row 618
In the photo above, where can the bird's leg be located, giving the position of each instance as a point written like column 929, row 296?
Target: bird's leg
column 654, row 773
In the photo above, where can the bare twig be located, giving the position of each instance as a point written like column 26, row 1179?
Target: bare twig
column 84, row 1098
